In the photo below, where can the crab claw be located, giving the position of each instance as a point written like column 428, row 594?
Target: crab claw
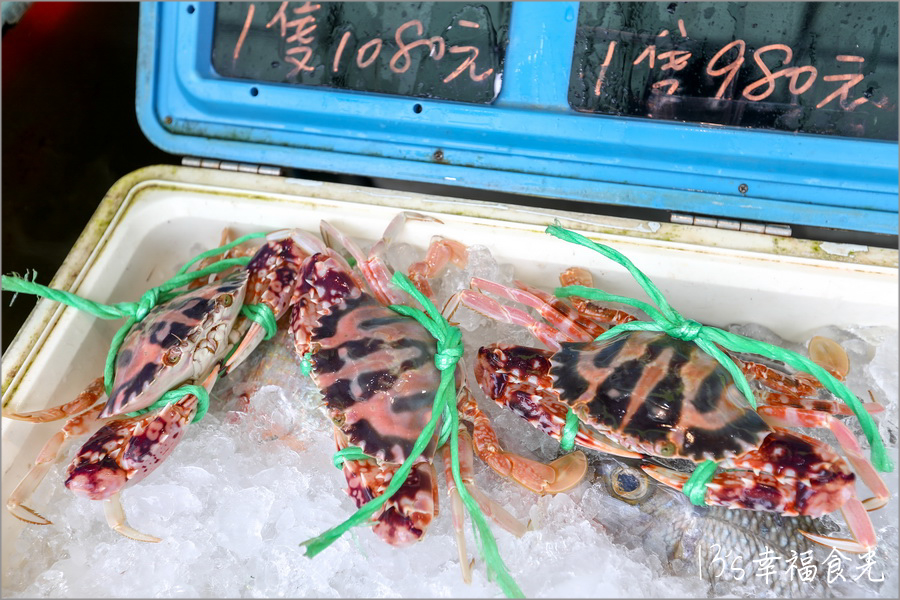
column 561, row 475
column 409, row 511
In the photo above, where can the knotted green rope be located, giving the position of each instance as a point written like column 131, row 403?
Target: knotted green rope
column 570, row 430
column 449, row 344
column 136, row 311
column 669, row 321
column 695, row 487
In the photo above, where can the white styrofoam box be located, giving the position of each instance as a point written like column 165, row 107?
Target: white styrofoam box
column 155, row 219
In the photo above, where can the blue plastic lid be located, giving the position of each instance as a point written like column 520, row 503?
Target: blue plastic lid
column 527, row 141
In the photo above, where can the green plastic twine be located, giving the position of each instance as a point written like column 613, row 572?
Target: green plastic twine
column 349, row 453
column 175, row 395
column 570, row 430
column 695, row 487
column 449, row 343
column 669, row 321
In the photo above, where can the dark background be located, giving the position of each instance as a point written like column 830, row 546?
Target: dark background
column 69, row 131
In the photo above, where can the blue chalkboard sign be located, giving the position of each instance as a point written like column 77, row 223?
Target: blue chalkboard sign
column 825, row 68
column 444, row 50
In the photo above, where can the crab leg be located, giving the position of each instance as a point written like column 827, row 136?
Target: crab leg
column 488, row 506
column 441, row 252
column 81, row 403
column 785, row 416
column 798, row 385
column 554, row 312
column 560, row 475
column 581, row 276
column 829, row 355
column 835, row 408
column 77, row 425
column 509, row 314
column 861, row 529
column 115, row 517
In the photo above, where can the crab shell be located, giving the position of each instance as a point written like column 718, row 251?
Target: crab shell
column 177, row 341
column 376, row 371
column 650, row 392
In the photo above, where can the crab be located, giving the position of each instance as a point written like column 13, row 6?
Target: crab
column 376, row 371
column 183, row 340
column 649, row 396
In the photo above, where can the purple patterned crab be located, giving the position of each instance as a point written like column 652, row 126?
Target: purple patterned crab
column 376, row 371
column 183, row 340
column 645, row 395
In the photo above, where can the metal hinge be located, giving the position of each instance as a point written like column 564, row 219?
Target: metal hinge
column 224, row 165
column 769, row 228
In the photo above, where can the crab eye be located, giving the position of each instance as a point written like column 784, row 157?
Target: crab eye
column 226, row 300
column 629, row 484
column 666, row 448
column 172, row 356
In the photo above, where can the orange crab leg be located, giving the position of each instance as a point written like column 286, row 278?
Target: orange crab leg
column 75, row 426
column 81, row 403
column 441, row 252
column 835, row 408
column 560, row 475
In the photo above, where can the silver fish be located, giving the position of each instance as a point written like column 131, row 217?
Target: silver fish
column 729, row 549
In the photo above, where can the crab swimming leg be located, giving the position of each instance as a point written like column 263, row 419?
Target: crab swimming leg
column 77, row 425
column 785, row 416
